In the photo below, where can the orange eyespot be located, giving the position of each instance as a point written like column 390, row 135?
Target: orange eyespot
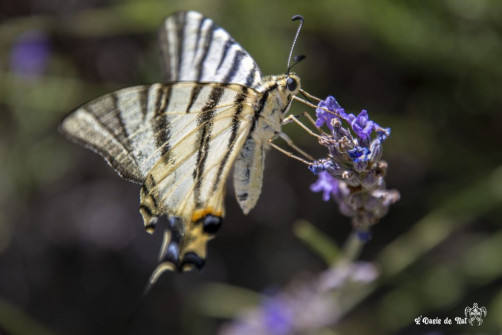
column 200, row 214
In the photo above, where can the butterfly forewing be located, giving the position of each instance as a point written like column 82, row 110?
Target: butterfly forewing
column 194, row 48
column 180, row 139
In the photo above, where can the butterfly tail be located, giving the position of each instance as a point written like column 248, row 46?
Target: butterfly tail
column 184, row 245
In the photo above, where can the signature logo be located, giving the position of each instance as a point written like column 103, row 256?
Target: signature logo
column 475, row 313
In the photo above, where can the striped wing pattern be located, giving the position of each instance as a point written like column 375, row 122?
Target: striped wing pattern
column 180, row 150
column 124, row 127
column 181, row 138
column 194, row 48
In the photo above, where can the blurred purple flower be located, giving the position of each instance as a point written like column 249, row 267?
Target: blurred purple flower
column 306, row 305
column 30, row 54
column 336, row 278
column 326, row 184
column 277, row 316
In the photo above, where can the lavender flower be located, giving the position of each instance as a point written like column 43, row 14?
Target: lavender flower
column 353, row 173
column 327, row 184
column 325, row 118
column 277, row 316
column 305, row 306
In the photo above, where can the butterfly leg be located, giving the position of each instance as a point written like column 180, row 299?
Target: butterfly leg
column 290, row 142
column 294, row 118
column 288, row 153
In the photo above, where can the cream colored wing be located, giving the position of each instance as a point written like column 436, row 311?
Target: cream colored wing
column 194, row 48
column 124, row 127
column 248, row 173
column 187, row 183
column 180, row 145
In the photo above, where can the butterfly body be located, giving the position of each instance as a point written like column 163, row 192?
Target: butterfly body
column 181, row 138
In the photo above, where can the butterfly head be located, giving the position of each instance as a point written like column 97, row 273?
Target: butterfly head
column 287, row 86
column 293, row 83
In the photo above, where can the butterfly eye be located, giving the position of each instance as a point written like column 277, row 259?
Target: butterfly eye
column 291, row 84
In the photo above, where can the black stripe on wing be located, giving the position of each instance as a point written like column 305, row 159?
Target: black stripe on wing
column 233, row 135
column 193, row 48
column 101, row 125
column 159, row 122
column 208, row 39
column 205, row 119
column 180, row 33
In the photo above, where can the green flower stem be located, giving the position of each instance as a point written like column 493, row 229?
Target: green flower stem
column 352, row 248
column 319, row 242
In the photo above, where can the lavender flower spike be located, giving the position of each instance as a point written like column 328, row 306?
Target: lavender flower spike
column 305, row 306
column 353, row 175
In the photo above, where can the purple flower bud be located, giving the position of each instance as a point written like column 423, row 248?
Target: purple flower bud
column 359, row 154
column 383, row 134
column 376, row 150
column 322, row 165
column 360, row 166
column 370, row 180
column 351, row 178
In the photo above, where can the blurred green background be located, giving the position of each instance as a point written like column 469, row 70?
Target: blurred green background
column 74, row 257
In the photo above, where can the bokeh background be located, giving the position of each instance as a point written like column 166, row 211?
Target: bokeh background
column 74, row 257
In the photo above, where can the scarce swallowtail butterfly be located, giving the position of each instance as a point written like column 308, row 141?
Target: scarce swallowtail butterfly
column 180, row 138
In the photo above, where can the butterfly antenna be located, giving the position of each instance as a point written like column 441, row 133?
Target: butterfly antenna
column 298, row 58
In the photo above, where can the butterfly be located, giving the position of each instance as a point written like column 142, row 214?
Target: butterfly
column 179, row 139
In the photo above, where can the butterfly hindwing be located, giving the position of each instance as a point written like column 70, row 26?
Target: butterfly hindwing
column 122, row 127
column 179, row 146
column 203, row 145
column 189, row 184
